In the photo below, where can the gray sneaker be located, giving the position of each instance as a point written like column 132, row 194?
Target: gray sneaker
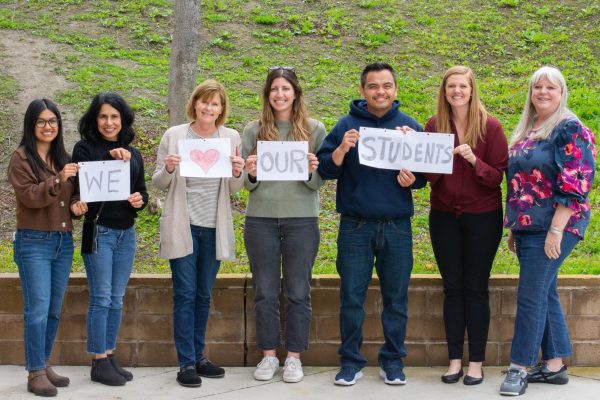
column 515, row 382
column 541, row 374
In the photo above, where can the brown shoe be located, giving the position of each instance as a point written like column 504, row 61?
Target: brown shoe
column 56, row 379
column 38, row 383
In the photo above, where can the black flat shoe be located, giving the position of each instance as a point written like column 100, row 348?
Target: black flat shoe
column 452, row 378
column 470, row 381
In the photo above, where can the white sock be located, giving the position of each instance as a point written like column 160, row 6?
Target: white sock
column 515, row 366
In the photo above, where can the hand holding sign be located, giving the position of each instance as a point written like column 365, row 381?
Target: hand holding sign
column 172, row 161
column 237, row 164
column 68, row 171
column 465, row 151
column 313, row 163
column 205, row 158
column 120, row 154
column 136, row 200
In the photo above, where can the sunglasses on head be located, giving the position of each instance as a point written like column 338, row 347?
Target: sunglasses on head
column 278, row 67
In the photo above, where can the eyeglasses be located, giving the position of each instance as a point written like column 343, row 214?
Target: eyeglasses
column 277, row 67
column 40, row 123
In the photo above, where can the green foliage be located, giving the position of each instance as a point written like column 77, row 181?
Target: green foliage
column 265, row 19
column 508, row 3
column 124, row 46
column 223, row 40
column 374, row 39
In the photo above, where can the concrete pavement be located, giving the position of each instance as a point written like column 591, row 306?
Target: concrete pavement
column 423, row 383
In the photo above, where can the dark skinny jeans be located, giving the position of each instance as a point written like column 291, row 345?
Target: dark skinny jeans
column 464, row 248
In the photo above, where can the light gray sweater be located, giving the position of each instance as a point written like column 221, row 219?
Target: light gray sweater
column 175, row 233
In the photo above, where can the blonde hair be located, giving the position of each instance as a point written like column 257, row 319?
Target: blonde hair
column 300, row 130
column 476, row 116
column 529, row 115
column 205, row 91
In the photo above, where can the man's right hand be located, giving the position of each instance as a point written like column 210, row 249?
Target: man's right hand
column 349, row 141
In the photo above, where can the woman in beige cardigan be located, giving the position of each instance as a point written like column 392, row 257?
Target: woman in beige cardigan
column 196, row 227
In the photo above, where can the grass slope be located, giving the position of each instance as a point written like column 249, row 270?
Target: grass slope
column 124, row 46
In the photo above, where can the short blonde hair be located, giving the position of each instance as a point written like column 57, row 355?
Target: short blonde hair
column 205, row 91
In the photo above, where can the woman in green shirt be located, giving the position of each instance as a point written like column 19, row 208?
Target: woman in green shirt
column 281, row 231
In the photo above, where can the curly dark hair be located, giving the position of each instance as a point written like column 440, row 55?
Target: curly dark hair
column 88, row 125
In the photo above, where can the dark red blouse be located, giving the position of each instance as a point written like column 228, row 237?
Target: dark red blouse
column 472, row 189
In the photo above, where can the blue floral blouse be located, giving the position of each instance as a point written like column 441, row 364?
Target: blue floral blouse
column 544, row 173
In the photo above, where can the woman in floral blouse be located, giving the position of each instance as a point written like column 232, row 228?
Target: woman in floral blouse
column 550, row 173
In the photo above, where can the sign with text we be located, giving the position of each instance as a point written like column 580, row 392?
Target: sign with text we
column 104, row 180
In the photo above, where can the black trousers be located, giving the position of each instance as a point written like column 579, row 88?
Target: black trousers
column 464, row 248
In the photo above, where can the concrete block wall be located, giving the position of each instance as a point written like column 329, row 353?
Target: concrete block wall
column 146, row 337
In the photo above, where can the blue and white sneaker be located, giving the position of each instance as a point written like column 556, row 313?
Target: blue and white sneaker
column 348, row 375
column 393, row 375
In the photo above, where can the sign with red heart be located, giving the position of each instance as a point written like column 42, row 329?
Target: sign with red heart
column 205, row 158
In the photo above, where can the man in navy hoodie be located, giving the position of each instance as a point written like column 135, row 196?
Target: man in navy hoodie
column 375, row 227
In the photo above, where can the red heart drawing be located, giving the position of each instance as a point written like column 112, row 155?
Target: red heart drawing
column 205, row 160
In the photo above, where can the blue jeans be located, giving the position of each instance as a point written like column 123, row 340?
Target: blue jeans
column 108, row 271
column 193, row 279
column 540, row 321
column 387, row 243
column 44, row 260
column 276, row 247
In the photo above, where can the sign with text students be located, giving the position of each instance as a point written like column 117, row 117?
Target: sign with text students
column 414, row 151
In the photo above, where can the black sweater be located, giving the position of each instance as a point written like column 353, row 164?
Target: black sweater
column 115, row 214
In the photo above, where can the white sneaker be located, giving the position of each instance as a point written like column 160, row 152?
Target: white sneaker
column 266, row 368
column 292, row 371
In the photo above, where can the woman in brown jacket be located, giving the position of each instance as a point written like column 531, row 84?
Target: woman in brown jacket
column 40, row 172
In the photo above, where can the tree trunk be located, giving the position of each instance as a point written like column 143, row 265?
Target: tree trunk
column 184, row 58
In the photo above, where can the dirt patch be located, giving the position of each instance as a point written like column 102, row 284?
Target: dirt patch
column 28, row 60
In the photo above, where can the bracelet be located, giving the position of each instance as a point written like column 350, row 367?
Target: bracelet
column 556, row 230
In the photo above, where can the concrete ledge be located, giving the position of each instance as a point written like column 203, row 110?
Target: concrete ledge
column 146, row 333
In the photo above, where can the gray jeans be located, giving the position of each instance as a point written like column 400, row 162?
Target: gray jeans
column 276, row 246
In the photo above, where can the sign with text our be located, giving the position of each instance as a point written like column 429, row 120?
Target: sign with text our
column 282, row 161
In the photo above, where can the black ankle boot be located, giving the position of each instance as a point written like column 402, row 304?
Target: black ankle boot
column 104, row 372
column 123, row 372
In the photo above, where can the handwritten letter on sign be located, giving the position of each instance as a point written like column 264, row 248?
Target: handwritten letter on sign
column 104, row 180
column 415, row 151
column 282, row 161
column 205, row 158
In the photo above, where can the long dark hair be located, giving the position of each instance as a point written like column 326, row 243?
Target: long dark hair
column 88, row 125
column 57, row 156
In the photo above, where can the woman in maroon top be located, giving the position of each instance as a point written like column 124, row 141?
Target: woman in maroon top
column 465, row 220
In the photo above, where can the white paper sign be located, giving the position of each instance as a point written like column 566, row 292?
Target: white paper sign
column 104, row 180
column 205, row 158
column 414, row 151
column 282, row 161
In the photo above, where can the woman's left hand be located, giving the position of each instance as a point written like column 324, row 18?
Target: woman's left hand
column 313, row 163
column 237, row 165
column 120, row 154
column 136, row 200
column 465, row 151
column 552, row 245
column 79, row 208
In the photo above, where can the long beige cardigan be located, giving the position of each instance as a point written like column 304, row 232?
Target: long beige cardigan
column 175, row 233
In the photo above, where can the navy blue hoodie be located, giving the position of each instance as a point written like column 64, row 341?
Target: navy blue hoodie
column 364, row 191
